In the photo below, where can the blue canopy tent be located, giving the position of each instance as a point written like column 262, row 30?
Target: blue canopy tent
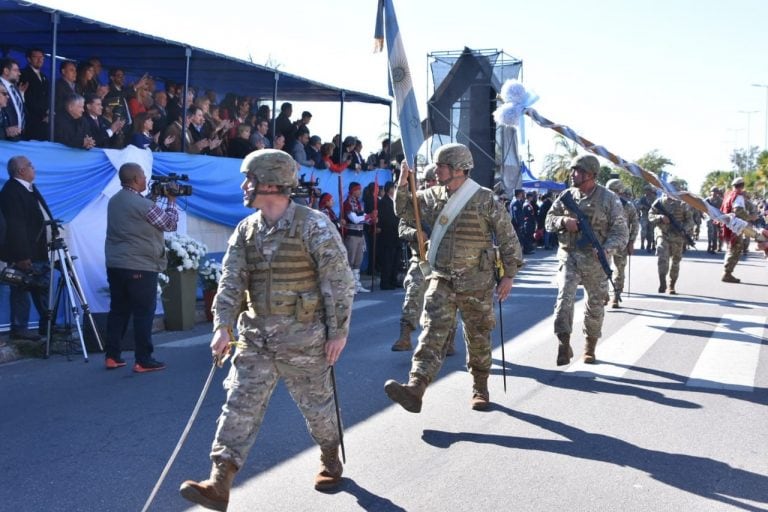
column 530, row 182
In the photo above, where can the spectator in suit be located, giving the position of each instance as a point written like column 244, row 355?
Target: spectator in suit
column 14, row 110
column 259, row 139
column 160, row 111
column 37, row 96
column 301, row 124
column 283, row 124
column 388, row 241
column 65, row 85
column 4, row 100
column 299, row 152
column 25, row 211
column 313, row 150
column 356, row 156
column 70, row 126
column 104, row 133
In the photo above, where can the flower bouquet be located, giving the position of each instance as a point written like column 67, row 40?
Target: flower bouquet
column 210, row 274
column 184, row 252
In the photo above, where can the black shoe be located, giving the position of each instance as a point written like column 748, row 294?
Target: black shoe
column 149, row 365
column 25, row 335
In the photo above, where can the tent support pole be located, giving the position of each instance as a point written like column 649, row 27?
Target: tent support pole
column 184, row 106
column 52, row 92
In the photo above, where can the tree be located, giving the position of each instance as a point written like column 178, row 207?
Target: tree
column 743, row 160
column 652, row 162
column 557, row 165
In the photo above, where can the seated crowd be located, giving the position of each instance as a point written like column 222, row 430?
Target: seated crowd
column 90, row 114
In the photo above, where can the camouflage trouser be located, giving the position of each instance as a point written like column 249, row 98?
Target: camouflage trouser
column 669, row 248
column 585, row 270
column 620, row 263
column 645, row 227
column 735, row 249
column 438, row 318
column 414, row 295
column 250, row 383
column 712, row 230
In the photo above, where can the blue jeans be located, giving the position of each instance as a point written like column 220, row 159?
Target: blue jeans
column 132, row 292
column 20, row 303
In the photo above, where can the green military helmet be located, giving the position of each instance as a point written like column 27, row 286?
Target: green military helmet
column 429, row 173
column 271, row 167
column 455, row 155
column 615, row 185
column 588, row 163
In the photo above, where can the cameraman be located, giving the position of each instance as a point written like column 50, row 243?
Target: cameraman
column 135, row 254
column 25, row 213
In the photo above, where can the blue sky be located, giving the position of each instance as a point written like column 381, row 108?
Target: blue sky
column 632, row 76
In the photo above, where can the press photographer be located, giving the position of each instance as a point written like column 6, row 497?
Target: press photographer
column 25, row 213
column 135, row 254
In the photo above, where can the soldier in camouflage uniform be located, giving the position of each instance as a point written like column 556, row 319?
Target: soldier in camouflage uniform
column 287, row 265
column 670, row 242
column 715, row 198
column 578, row 262
column 646, row 229
column 620, row 256
column 462, row 273
column 734, row 202
column 414, row 280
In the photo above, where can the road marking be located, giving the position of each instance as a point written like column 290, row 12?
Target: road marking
column 617, row 354
column 729, row 359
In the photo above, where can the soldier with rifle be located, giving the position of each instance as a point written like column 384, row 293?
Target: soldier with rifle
column 672, row 221
column 595, row 215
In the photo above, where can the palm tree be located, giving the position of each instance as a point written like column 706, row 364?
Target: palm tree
column 557, row 165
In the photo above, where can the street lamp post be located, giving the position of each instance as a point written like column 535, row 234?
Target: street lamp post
column 764, row 86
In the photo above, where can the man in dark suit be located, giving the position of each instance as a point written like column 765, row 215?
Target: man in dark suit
column 14, row 110
column 25, row 213
column 37, row 96
column 388, row 241
column 104, row 133
column 70, row 127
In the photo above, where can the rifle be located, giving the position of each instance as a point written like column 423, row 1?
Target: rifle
column 587, row 235
column 499, row 271
column 674, row 222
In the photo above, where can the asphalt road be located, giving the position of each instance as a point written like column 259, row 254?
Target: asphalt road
column 673, row 417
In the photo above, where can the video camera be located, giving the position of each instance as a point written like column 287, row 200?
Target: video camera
column 165, row 186
column 306, row 188
column 31, row 279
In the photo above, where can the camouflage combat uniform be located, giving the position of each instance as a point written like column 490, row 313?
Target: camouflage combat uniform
column 669, row 241
column 621, row 255
column 578, row 264
column 414, row 279
column 298, row 291
column 462, row 277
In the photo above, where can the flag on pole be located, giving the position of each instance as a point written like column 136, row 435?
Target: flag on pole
column 400, row 79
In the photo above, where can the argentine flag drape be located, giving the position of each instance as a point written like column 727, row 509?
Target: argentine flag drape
column 400, row 79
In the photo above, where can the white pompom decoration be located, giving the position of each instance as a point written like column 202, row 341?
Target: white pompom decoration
column 513, row 91
column 508, row 114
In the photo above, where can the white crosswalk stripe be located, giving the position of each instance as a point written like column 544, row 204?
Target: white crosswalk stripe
column 617, row 354
column 730, row 358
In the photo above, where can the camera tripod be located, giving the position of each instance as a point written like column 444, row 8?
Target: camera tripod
column 67, row 292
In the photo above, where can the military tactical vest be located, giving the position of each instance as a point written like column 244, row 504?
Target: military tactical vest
column 285, row 282
column 463, row 245
column 677, row 210
column 596, row 207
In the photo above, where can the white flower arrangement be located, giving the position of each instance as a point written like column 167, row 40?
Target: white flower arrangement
column 210, row 274
column 162, row 282
column 184, row 252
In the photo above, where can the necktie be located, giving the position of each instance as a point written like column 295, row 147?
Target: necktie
column 19, row 102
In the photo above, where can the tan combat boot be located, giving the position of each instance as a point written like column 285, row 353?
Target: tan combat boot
column 616, row 300
column 329, row 476
column 564, row 350
column 671, row 288
column 662, row 283
column 729, row 278
column 589, row 350
column 403, row 343
column 407, row 395
column 214, row 492
column 480, row 397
